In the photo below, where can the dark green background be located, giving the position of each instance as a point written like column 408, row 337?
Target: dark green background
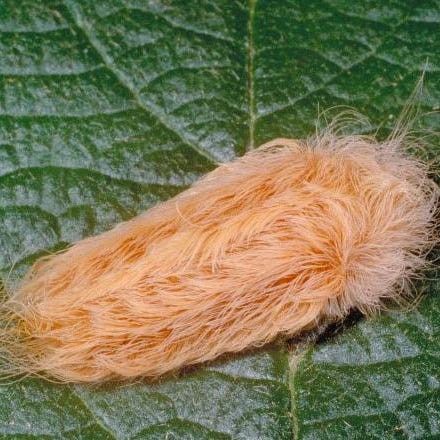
column 108, row 106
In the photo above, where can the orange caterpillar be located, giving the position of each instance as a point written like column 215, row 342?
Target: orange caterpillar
column 290, row 235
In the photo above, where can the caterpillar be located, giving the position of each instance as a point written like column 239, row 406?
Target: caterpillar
column 292, row 234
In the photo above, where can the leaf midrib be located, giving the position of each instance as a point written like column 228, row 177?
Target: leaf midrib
column 250, row 73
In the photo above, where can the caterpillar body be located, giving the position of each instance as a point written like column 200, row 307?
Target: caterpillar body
column 275, row 242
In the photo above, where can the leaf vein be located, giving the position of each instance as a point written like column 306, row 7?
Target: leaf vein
column 124, row 80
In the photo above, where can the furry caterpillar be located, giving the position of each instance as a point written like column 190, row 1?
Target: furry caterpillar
column 289, row 235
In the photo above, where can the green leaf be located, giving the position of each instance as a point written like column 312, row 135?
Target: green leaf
column 107, row 107
column 381, row 379
column 244, row 398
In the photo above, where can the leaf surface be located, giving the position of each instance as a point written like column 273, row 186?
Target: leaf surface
column 109, row 107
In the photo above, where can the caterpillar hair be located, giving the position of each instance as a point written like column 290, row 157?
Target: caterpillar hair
column 292, row 234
